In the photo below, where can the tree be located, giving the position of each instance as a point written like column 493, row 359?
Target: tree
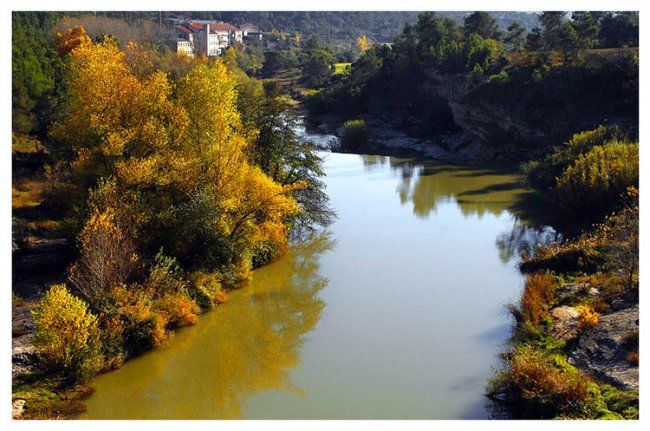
column 35, row 73
column 515, row 36
column 586, row 27
column 618, row 29
column 311, row 44
column 362, row 43
column 72, row 38
column 568, row 41
column 429, row 30
column 483, row 24
column 552, row 27
column 534, row 41
column 183, row 155
column 316, row 66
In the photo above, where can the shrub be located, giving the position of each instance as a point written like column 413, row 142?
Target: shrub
column 355, row 134
column 539, row 385
column 107, row 259
column 66, row 334
column 584, row 254
column 178, row 309
column 587, row 317
column 622, row 243
column 143, row 327
column 205, row 289
column 535, row 299
column 543, row 174
column 598, row 180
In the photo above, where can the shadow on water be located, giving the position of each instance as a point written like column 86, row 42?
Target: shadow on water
column 249, row 346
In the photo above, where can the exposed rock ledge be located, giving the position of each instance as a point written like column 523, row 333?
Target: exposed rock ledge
column 602, row 350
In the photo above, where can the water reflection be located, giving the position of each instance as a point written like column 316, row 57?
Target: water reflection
column 477, row 191
column 524, row 238
column 248, row 346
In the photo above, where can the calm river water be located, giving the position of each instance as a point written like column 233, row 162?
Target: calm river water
column 397, row 312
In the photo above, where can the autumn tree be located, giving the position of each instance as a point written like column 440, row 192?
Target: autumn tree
column 66, row 334
column 72, row 38
column 362, row 43
column 185, row 157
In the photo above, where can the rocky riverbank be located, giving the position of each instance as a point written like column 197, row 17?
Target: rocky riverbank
column 387, row 138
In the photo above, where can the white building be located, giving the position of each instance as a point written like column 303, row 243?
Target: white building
column 209, row 38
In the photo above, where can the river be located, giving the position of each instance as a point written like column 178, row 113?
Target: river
column 396, row 312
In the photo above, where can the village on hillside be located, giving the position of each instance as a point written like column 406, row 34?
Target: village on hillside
column 211, row 38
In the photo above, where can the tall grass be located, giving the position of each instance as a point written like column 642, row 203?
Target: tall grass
column 534, row 303
column 598, row 179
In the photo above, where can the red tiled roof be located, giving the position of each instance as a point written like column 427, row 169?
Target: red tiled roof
column 222, row 26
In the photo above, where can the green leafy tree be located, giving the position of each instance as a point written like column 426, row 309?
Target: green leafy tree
column 619, row 29
column 35, row 77
column 483, row 24
column 534, row 41
column 514, row 38
column 317, row 67
column 586, row 26
column 568, row 41
column 552, row 26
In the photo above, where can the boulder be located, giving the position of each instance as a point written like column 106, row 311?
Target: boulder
column 17, row 408
column 23, row 353
column 565, row 323
column 602, row 351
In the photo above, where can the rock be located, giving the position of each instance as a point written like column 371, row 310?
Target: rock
column 23, row 353
column 17, row 408
column 21, row 321
column 565, row 323
column 567, row 292
column 602, row 350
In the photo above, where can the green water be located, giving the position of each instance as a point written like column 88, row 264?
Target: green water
column 396, row 312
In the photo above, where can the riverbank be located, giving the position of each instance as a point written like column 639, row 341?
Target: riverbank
column 387, row 138
column 574, row 352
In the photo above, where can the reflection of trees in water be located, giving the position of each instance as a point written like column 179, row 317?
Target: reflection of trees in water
column 262, row 335
column 248, row 345
column 523, row 237
column 476, row 190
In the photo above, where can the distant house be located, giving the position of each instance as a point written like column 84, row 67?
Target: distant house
column 251, row 32
column 184, row 42
column 209, row 38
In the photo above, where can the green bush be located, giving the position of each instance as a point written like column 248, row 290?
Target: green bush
column 355, row 134
column 543, row 174
column 598, row 180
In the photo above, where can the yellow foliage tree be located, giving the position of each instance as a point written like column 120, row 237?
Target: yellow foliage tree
column 66, row 334
column 113, row 115
column 73, row 37
column 363, row 43
column 178, row 153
